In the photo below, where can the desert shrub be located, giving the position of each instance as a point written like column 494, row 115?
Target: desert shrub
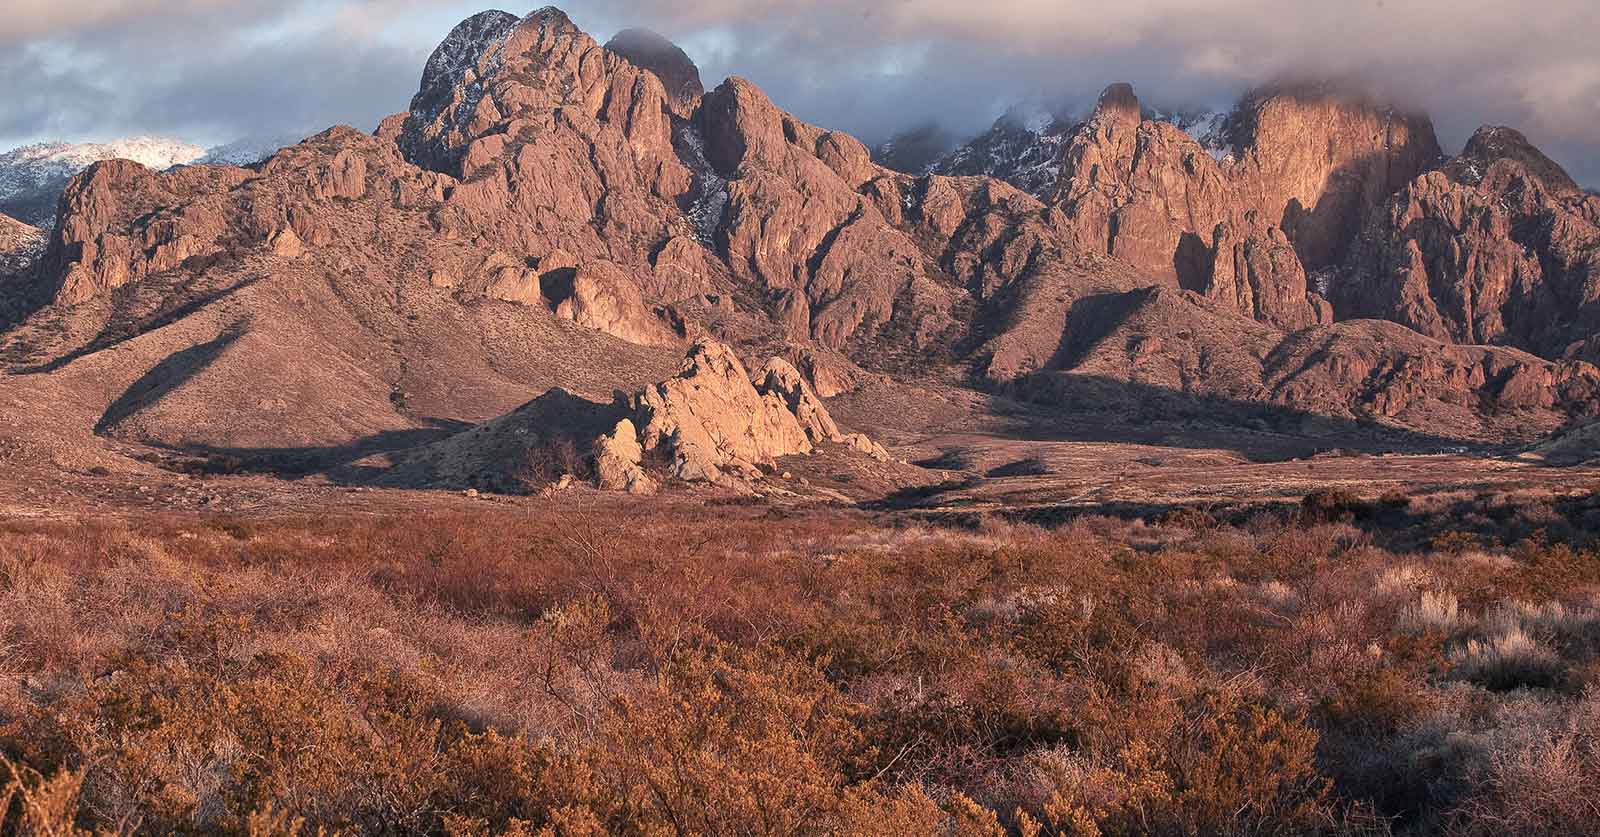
column 1394, row 500
column 1536, row 778
column 1434, row 611
column 1190, row 517
column 1220, row 766
column 33, row 804
column 1510, row 658
column 549, row 460
column 564, row 666
column 1331, row 505
column 1456, row 542
column 1380, row 702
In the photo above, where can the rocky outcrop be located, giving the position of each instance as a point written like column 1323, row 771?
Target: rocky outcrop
column 712, row 423
column 619, row 461
column 121, row 222
column 1498, row 247
column 606, row 299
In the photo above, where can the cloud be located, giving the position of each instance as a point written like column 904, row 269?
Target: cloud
column 211, row 70
column 203, row 70
column 873, row 69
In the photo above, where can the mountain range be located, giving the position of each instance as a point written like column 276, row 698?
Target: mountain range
column 551, row 212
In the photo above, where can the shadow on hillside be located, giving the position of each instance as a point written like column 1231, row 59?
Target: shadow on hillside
column 1092, row 408
column 299, row 462
column 175, row 303
column 167, row 376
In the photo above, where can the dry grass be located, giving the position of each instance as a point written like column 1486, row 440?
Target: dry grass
column 744, row 670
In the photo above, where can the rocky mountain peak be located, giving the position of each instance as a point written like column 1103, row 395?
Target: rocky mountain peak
column 453, row 82
column 1118, row 102
column 1492, row 143
column 651, row 51
column 547, row 190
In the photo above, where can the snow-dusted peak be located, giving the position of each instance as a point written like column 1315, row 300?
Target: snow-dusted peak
column 1023, row 148
column 152, row 152
column 453, row 84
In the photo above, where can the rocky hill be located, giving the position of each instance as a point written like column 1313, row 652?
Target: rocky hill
column 549, row 213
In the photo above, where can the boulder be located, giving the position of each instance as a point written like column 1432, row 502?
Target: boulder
column 619, row 461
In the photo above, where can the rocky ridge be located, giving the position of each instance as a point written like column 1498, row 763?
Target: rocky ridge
column 1497, row 247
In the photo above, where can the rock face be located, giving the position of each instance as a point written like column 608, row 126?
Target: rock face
column 20, row 245
column 1498, row 247
column 1260, row 275
column 802, row 223
column 1311, row 164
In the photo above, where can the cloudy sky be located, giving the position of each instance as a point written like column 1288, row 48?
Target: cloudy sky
column 213, row 70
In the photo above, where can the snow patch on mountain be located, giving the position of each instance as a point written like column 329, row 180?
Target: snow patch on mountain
column 1023, row 148
column 1207, row 127
column 709, row 199
column 249, row 150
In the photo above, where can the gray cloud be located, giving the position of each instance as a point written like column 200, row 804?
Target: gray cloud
column 203, row 70
column 214, row 69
